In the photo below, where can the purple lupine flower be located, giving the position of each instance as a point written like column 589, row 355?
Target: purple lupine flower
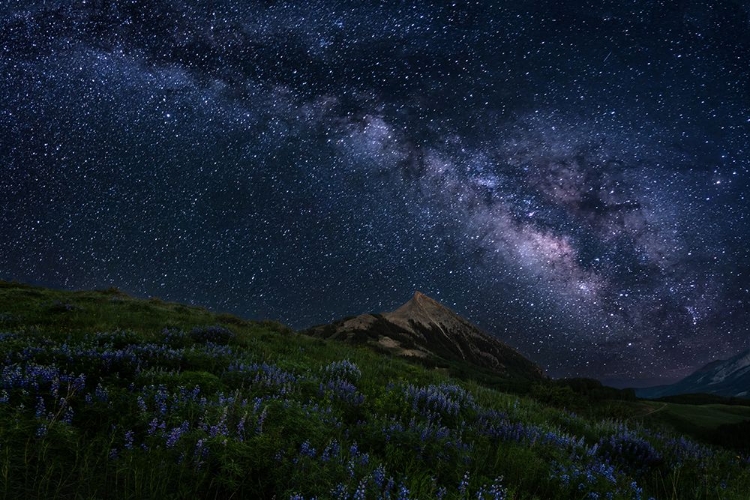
column 261, row 419
column 41, row 410
column 637, row 491
column 361, row 492
column 55, row 388
column 152, row 426
column 330, row 451
column 403, row 492
column 378, row 476
column 160, row 398
column 221, row 426
column 77, row 384
column 343, row 370
column 129, row 440
column 241, row 428
column 68, row 416
column 496, row 490
column 463, row 486
column 340, row 492
column 307, row 450
column 201, row 452
column 101, row 393
column 176, row 433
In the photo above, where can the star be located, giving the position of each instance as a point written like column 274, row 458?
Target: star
column 572, row 180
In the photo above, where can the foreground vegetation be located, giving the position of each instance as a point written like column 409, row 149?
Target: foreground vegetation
column 106, row 396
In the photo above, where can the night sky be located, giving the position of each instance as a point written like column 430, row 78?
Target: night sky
column 570, row 176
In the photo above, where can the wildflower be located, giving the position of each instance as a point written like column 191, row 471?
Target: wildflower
column 378, row 476
column 241, row 427
column 201, row 451
column 176, row 433
column 68, row 416
column 340, row 492
column 344, row 370
column 403, row 492
column 360, row 492
column 496, row 490
column 152, row 426
column 307, row 450
column 637, row 492
column 101, row 393
column 40, row 408
column 261, row 419
column 331, row 450
column 464, row 484
column 129, row 440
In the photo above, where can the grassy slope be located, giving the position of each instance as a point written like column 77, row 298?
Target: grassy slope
column 44, row 310
column 408, row 423
column 712, row 423
column 707, row 416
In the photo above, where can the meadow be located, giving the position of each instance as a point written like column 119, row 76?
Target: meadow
column 107, row 396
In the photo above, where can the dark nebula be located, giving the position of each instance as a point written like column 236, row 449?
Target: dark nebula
column 572, row 177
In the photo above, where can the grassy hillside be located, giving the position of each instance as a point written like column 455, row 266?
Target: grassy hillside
column 107, row 396
column 705, row 416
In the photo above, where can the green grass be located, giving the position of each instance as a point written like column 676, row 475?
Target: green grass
column 43, row 309
column 107, row 396
column 707, row 416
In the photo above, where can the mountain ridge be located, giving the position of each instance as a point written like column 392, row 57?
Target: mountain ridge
column 729, row 378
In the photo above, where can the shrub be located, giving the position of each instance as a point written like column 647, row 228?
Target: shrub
column 215, row 334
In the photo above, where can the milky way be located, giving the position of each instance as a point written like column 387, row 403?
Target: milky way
column 572, row 178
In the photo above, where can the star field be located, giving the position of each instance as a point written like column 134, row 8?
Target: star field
column 570, row 177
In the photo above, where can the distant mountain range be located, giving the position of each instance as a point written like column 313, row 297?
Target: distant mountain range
column 424, row 328
column 730, row 378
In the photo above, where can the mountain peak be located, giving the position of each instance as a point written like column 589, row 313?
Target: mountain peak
column 439, row 330
column 423, row 299
column 418, row 298
column 423, row 327
column 424, row 311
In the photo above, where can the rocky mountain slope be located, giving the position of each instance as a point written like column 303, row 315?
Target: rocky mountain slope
column 424, row 328
column 729, row 378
